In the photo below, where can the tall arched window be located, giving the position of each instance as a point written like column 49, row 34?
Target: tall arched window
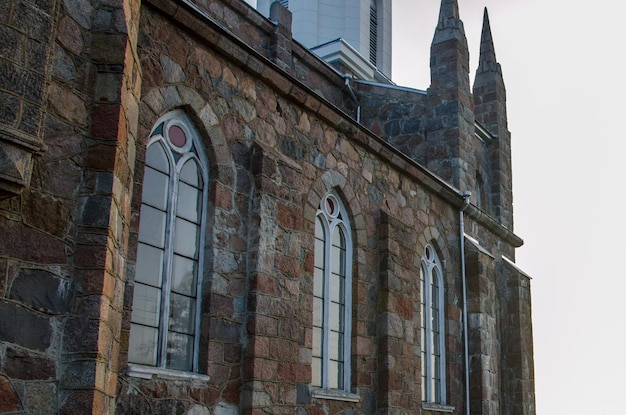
column 432, row 333
column 332, row 296
column 166, row 300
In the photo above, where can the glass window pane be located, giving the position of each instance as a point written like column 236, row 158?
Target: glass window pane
column 190, row 174
column 179, row 351
column 156, row 158
column 146, row 305
column 152, row 226
column 319, row 228
column 188, row 203
column 317, row 342
column 335, row 346
column 149, row 267
column 435, row 318
column 182, row 314
column 186, row 238
column 318, row 282
column 316, row 372
column 142, row 348
column 319, row 253
column 336, row 316
column 318, row 312
column 336, row 288
column 335, row 375
column 337, row 256
column 338, row 239
column 184, row 276
column 435, row 295
column 155, row 189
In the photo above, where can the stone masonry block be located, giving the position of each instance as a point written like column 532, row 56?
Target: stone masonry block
column 24, row 327
column 42, row 290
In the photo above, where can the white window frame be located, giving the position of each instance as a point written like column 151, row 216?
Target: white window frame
column 192, row 149
column 432, row 271
column 331, row 221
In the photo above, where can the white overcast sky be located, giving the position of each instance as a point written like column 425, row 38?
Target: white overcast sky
column 564, row 65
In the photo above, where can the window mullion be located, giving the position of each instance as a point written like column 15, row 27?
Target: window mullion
column 326, row 305
column 347, row 329
column 442, row 354
column 167, row 268
column 203, row 213
column 428, row 334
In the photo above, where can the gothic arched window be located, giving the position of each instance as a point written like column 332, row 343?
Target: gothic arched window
column 432, row 332
column 166, row 301
column 332, row 296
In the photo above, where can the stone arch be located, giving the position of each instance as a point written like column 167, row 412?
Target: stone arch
column 431, row 235
column 332, row 179
column 159, row 101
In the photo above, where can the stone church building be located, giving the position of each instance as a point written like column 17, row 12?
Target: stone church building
column 209, row 209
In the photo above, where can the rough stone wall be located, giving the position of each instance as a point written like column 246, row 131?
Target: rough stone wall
column 398, row 116
column 278, row 137
column 517, row 396
column 26, row 30
column 64, row 236
column 270, row 148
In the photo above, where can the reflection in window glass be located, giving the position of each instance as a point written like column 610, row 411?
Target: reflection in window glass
column 152, row 226
column 143, row 345
column 184, row 276
column 149, row 265
column 186, row 238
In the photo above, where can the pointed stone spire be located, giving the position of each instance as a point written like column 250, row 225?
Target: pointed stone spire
column 449, row 10
column 487, row 50
column 451, row 118
column 449, row 25
column 490, row 112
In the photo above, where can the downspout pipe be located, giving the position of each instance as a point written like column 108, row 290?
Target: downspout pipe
column 466, row 201
column 347, row 77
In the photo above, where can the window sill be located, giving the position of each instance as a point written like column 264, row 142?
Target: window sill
column 335, row 395
column 437, row 407
column 149, row 372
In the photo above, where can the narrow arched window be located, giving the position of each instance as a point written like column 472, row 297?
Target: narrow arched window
column 332, row 299
column 432, row 332
column 166, row 300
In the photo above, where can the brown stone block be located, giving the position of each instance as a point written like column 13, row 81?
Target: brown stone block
column 90, row 256
column 105, row 119
column 22, row 364
column 260, row 369
column 289, row 217
column 221, row 306
column 289, row 265
column 45, row 213
column 29, row 244
column 9, row 399
column 263, row 325
column 223, row 196
column 293, row 372
column 266, row 285
column 67, row 105
column 102, row 157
